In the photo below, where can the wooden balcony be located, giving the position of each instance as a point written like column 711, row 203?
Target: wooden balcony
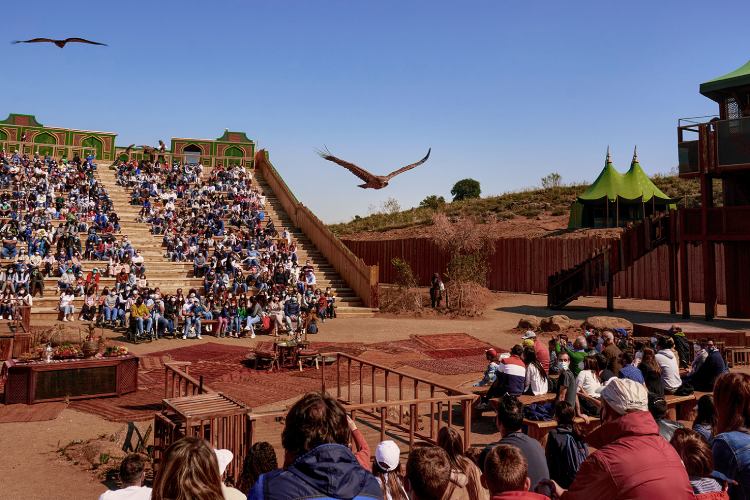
column 724, row 224
column 713, row 147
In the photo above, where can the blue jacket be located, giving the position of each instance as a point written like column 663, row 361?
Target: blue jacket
column 731, row 453
column 705, row 377
column 329, row 471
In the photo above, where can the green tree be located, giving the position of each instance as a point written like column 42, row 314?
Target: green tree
column 553, row 180
column 433, row 201
column 466, row 189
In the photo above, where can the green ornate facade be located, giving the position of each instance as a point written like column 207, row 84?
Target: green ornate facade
column 25, row 134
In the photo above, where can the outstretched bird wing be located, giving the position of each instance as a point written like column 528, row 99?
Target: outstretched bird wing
column 35, row 40
column 408, row 167
column 351, row 167
column 83, row 40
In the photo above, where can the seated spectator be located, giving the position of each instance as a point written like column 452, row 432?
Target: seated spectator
column 363, row 450
column 658, row 408
column 651, row 372
column 612, row 353
column 705, row 375
column 224, row 458
column 668, row 362
column 542, row 351
column 189, row 469
column 318, row 461
column 576, row 354
column 629, row 370
column 567, row 385
column 731, row 437
column 566, row 450
column 506, row 474
column 465, row 475
column 132, row 475
column 261, row 458
column 536, row 381
column 512, row 377
column 509, row 421
column 705, row 418
column 631, row 461
column 428, row 473
column 387, row 471
column 696, row 455
column 490, row 373
column 681, row 346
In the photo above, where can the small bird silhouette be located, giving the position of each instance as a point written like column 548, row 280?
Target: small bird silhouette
column 60, row 43
column 371, row 180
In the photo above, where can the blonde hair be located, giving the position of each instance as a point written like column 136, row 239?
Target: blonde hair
column 189, row 471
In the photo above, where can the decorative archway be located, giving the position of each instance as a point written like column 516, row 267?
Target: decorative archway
column 96, row 144
column 234, row 155
column 45, row 138
column 191, row 154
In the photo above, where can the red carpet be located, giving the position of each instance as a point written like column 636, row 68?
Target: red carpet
column 450, row 341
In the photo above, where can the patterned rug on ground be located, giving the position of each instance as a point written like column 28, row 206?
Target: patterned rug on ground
column 224, row 368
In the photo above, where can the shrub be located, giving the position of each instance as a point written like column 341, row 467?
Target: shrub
column 433, row 202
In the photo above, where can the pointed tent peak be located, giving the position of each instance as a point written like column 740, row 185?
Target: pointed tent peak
column 609, row 156
column 635, row 155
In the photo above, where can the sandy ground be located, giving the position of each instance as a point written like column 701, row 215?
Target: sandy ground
column 31, row 469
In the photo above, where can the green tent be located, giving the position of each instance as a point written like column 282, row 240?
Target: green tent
column 615, row 199
column 714, row 89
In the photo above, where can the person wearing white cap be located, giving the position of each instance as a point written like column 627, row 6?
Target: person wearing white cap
column 540, row 348
column 632, row 460
column 387, row 470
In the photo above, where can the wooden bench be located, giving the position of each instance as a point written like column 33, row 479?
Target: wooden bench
column 736, row 356
column 680, row 407
column 539, row 429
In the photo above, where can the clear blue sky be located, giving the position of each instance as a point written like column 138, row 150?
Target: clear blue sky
column 504, row 92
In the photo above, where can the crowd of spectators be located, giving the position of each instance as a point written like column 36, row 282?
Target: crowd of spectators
column 325, row 456
column 53, row 216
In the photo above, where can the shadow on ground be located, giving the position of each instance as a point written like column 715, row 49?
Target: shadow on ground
column 583, row 312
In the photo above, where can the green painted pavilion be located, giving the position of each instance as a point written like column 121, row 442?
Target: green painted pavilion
column 615, row 199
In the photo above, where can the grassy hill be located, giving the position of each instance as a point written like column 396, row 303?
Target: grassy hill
column 528, row 203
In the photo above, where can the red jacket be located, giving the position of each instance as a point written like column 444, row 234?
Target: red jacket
column 632, row 462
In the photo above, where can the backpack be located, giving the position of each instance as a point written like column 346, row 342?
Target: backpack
column 312, row 327
column 575, row 452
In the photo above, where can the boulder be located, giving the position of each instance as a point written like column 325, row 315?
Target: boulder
column 607, row 323
column 555, row 323
column 529, row 323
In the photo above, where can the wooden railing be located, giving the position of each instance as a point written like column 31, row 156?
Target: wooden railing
column 363, row 279
column 177, row 382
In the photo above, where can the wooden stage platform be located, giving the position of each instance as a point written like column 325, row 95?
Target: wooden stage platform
column 694, row 331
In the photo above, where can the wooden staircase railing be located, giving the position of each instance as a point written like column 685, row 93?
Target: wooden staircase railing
column 600, row 268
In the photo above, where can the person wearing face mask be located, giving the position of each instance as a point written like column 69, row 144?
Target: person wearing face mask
column 140, row 314
column 169, row 318
column 567, row 386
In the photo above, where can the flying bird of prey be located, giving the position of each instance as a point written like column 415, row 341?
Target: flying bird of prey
column 126, row 152
column 60, row 43
column 371, row 180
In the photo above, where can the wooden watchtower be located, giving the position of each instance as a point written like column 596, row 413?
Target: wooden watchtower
column 718, row 149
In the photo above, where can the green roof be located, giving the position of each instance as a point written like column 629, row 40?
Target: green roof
column 713, row 89
column 633, row 185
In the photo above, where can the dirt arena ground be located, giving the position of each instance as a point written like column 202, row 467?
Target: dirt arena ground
column 31, row 468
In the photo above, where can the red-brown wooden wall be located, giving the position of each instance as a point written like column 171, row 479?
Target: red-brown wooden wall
column 523, row 264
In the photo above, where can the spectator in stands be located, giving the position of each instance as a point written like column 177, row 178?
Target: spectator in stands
column 292, row 314
column 536, row 382
column 465, row 475
column 589, row 386
column 576, row 354
column 705, row 418
column 506, row 474
column 681, row 346
column 567, row 385
column 509, row 421
column 708, row 370
column 140, row 314
column 731, row 444
column 612, row 352
column 189, row 470
column 428, row 473
column 493, row 367
column 191, row 316
column 65, row 305
column 132, row 475
column 658, row 408
column 651, row 372
column 224, row 458
column 629, row 370
column 541, row 350
column 695, row 453
column 387, row 471
column 631, row 460
column 360, row 443
column 566, row 449
column 668, row 363
column 261, row 458
column 318, row 462
column 512, row 378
